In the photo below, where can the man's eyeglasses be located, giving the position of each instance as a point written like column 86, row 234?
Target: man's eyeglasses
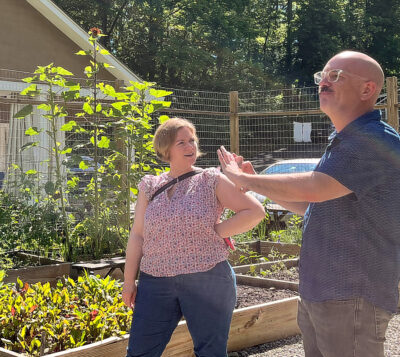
column 333, row 76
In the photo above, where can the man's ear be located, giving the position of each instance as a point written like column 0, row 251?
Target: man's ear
column 368, row 90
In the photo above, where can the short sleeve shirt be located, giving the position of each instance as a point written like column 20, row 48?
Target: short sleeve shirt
column 351, row 245
column 179, row 235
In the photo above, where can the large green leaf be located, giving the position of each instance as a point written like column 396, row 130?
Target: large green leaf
column 104, row 142
column 32, row 131
column 163, row 118
column 25, row 111
column 88, row 108
column 63, row 72
column 158, row 93
column 32, row 90
column 29, row 145
column 69, row 126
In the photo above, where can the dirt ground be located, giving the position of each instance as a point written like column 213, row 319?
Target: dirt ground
column 249, row 295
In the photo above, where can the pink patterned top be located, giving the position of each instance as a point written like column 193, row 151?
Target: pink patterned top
column 179, row 236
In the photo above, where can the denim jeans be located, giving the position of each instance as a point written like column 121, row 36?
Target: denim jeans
column 205, row 299
column 342, row 328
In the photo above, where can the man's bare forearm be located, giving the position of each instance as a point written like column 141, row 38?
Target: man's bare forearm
column 284, row 188
column 295, row 207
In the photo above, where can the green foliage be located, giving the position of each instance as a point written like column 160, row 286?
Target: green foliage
column 292, row 234
column 278, row 265
column 100, row 225
column 26, row 224
column 54, row 77
column 38, row 317
column 120, row 161
column 241, row 44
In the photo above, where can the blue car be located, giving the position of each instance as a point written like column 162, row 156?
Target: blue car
column 276, row 211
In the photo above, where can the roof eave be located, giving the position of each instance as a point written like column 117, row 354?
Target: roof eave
column 65, row 24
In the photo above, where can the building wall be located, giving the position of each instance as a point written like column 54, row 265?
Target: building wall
column 29, row 39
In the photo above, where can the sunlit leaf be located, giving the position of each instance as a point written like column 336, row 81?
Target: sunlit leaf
column 163, row 118
column 69, row 126
column 83, row 165
column 104, row 143
column 88, row 108
column 31, row 131
column 158, row 93
column 45, row 107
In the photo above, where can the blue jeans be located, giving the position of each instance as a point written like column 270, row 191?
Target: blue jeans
column 205, row 299
column 342, row 328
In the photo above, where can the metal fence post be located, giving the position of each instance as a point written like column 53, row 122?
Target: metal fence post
column 234, row 121
column 392, row 102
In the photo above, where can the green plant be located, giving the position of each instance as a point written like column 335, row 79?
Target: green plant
column 127, row 157
column 292, row 234
column 261, row 230
column 54, row 77
column 118, row 165
column 27, row 224
column 37, row 319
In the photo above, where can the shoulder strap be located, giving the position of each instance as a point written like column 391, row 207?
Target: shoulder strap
column 174, row 181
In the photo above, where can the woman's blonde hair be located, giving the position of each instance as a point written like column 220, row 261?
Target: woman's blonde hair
column 166, row 134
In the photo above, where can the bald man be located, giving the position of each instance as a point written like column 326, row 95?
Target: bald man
column 350, row 255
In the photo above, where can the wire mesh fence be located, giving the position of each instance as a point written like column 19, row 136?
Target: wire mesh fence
column 281, row 124
column 273, row 125
column 263, row 126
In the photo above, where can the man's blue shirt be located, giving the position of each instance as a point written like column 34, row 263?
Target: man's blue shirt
column 351, row 245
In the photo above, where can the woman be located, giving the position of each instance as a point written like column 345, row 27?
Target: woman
column 177, row 240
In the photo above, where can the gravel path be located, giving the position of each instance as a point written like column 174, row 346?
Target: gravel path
column 293, row 347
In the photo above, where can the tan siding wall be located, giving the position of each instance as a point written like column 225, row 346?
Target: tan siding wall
column 28, row 39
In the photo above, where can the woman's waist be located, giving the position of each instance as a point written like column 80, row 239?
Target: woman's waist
column 175, row 265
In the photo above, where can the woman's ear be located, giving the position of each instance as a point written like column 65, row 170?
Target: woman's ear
column 368, row 90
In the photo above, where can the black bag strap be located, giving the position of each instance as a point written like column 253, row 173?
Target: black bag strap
column 174, row 181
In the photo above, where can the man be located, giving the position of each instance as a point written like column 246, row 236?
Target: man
column 350, row 255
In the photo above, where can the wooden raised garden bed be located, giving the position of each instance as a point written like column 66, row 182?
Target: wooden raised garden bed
column 242, row 276
column 48, row 270
column 264, row 249
column 250, row 326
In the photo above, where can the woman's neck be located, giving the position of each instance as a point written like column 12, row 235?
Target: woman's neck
column 178, row 171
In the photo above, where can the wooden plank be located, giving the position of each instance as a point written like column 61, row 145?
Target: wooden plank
column 253, row 245
column 234, row 121
column 6, row 353
column 243, row 269
column 112, row 346
column 45, row 273
column 37, row 258
column 266, row 282
column 263, row 323
column 181, row 343
column 392, row 102
column 283, row 248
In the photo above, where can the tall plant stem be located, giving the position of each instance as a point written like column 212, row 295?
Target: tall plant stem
column 67, row 247
column 96, row 158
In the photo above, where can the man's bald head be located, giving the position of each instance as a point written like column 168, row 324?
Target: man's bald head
column 355, row 89
column 360, row 64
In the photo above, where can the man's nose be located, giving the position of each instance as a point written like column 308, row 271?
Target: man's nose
column 324, row 81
